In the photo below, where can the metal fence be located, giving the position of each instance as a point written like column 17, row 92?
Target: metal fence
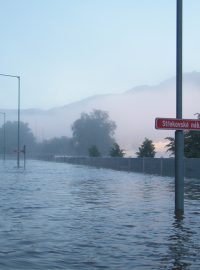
column 157, row 166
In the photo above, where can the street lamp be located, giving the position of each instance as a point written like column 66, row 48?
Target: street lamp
column 18, row 125
column 4, row 135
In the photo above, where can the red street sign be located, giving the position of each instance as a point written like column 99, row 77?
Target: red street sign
column 177, row 124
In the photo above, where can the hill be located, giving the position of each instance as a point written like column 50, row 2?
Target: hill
column 134, row 112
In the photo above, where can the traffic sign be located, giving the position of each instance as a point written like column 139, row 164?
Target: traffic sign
column 177, row 124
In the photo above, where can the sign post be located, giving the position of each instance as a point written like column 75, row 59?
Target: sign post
column 179, row 136
column 178, row 123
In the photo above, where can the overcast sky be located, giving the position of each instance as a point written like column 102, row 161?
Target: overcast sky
column 66, row 50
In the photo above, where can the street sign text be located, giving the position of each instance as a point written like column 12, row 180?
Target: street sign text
column 177, row 124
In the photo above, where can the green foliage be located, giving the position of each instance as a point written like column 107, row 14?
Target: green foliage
column 191, row 144
column 170, row 146
column 56, row 146
column 147, row 149
column 94, row 128
column 116, row 151
column 93, row 151
column 11, row 131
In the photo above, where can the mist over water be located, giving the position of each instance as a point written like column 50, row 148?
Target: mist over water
column 60, row 216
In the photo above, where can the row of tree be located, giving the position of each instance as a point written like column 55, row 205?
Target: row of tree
column 93, row 135
column 191, row 144
column 115, row 151
column 90, row 131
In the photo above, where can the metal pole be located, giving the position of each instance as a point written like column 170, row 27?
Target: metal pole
column 18, row 121
column 24, row 150
column 179, row 136
column 18, row 126
column 4, row 137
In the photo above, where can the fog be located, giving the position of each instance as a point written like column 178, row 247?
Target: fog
column 134, row 112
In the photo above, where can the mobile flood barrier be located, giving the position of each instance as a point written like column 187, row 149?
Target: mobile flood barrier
column 157, row 166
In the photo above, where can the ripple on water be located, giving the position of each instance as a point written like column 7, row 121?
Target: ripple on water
column 59, row 216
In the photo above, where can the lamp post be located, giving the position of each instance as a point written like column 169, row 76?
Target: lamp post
column 4, row 135
column 18, row 121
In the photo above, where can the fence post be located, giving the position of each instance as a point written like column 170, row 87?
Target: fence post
column 161, row 166
column 143, row 164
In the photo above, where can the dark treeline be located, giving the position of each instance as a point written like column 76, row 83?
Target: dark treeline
column 92, row 135
column 91, row 130
column 191, row 143
column 10, row 141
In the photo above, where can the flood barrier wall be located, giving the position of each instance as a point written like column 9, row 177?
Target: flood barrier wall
column 157, row 166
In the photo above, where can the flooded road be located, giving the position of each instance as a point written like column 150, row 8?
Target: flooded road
column 61, row 216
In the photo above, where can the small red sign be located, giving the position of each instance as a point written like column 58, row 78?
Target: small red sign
column 177, row 124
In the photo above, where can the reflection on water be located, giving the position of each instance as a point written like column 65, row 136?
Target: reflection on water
column 60, row 216
column 192, row 189
column 183, row 252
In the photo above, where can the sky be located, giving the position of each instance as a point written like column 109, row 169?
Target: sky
column 68, row 50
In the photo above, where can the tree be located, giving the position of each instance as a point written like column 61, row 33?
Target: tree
column 116, row 151
column 26, row 137
column 191, row 144
column 147, row 149
column 94, row 128
column 93, row 151
column 171, row 145
column 56, row 146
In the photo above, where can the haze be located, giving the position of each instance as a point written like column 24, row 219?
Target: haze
column 65, row 51
column 74, row 56
column 133, row 111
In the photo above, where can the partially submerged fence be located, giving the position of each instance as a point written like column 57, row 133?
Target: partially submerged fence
column 158, row 166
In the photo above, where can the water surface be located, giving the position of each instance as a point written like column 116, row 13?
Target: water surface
column 61, row 216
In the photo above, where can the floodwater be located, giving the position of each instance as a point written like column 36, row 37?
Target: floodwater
column 61, row 216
